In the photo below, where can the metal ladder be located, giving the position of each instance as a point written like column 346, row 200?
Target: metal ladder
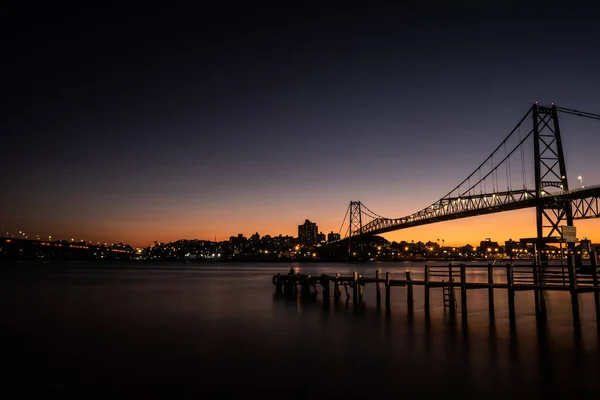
column 449, row 297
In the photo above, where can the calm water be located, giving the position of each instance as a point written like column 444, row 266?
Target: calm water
column 218, row 331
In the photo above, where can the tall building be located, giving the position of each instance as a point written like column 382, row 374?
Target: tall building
column 307, row 232
column 332, row 236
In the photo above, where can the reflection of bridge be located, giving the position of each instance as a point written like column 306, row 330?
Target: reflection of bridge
column 500, row 184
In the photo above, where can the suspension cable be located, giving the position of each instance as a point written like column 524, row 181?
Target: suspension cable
column 347, row 211
column 578, row 113
column 523, row 171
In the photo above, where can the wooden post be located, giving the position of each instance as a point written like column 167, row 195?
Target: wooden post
column 288, row 288
column 278, row 282
column 336, row 287
column 596, row 294
column 536, row 291
column 510, row 294
column 387, row 290
column 360, row 288
column 325, row 285
column 463, row 292
column 377, row 286
column 306, row 287
column 355, row 286
column 491, row 289
column 409, row 291
column 574, row 294
column 427, row 290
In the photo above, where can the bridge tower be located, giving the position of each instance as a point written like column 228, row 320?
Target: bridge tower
column 355, row 227
column 550, row 172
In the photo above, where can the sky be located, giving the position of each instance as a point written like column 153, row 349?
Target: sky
column 138, row 124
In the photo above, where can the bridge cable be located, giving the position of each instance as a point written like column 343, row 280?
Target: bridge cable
column 523, row 161
column 493, row 180
column 347, row 211
column 579, row 113
column 486, row 176
column 499, row 146
column 508, row 172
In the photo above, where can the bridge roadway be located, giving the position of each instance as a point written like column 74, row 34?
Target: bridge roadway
column 585, row 203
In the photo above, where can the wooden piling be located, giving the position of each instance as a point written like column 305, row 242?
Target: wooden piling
column 463, row 292
column 538, row 293
column 491, row 289
column 306, row 287
column 378, row 287
column 278, row 284
column 426, row 290
column 337, row 292
column 510, row 293
column 409, row 291
column 325, row 285
column 387, row 290
column 360, row 285
column 596, row 293
column 574, row 294
column 355, row 286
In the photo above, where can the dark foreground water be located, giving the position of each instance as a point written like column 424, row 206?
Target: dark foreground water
column 217, row 331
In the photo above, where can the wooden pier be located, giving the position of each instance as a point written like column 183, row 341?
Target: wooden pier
column 535, row 277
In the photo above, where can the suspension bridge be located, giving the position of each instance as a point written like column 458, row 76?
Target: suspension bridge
column 534, row 150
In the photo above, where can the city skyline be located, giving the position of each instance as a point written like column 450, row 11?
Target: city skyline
column 214, row 124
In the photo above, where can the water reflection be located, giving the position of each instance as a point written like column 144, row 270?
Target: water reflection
column 219, row 330
column 481, row 352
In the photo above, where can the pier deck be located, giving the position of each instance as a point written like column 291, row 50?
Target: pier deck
column 534, row 277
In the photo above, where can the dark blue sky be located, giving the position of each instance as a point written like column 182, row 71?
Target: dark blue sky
column 139, row 124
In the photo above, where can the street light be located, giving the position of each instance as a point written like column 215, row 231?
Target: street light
column 580, row 180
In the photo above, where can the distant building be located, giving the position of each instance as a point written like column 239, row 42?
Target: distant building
column 307, row 232
column 332, row 237
column 320, row 237
column 238, row 241
column 488, row 247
